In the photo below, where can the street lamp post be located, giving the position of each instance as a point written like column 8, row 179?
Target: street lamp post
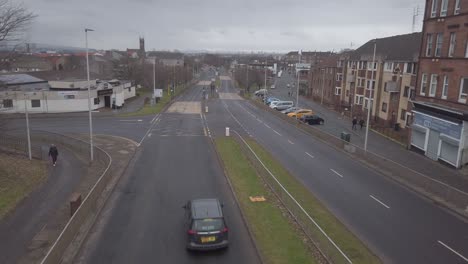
column 27, row 127
column 89, row 97
column 266, row 89
column 371, row 86
column 323, row 85
column 298, row 71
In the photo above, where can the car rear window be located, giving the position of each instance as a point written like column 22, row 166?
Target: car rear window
column 208, row 224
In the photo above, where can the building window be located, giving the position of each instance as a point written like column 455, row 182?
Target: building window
column 403, row 114
column 406, row 91
column 7, row 103
column 35, row 103
column 388, row 66
column 439, row 41
column 369, row 85
column 96, row 101
column 347, row 93
column 434, row 8
column 409, row 67
column 339, row 77
column 372, row 66
column 337, row 90
column 358, row 99
column 457, row 7
column 423, row 84
column 445, row 87
column 433, row 86
column 366, row 103
column 453, row 42
column 443, row 8
column 384, row 107
column 463, row 90
column 429, row 45
column 466, row 49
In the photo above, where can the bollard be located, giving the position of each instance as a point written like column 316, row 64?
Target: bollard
column 206, row 109
column 227, row 131
column 75, row 202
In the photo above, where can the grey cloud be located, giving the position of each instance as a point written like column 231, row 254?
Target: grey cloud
column 220, row 24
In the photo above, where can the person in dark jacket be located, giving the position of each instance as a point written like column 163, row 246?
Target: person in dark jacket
column 53, row 153
column 361, row 123
column 354, row 123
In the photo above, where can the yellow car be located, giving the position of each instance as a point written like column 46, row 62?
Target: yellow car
column 300, row 113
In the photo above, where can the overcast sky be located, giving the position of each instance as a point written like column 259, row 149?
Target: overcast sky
column 220, row 25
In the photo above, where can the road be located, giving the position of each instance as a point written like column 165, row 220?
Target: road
column 143, row 220
column 397, row 224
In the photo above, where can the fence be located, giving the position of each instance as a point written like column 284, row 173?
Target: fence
column 443, row 193
column 328, row 248
column 19, row 145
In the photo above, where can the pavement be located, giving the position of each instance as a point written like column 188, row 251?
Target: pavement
column 143, row 220
column 31, row 215
column 335, row 124
column 399, row 225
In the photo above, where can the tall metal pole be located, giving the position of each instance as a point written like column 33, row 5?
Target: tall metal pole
column 299, row 53
column 323, row 85
column 266, row 89
column 154, row 75
column 369, row 105
column 247, row 85
column 27, row 127
column 89, row 98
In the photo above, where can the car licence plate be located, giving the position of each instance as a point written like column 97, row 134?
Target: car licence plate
column 208, row 239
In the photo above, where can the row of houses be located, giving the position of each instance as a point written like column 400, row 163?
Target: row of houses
column 418, row 82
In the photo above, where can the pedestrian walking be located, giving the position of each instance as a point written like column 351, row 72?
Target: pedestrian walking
column 354, row 123
column 289, row 93
column 53, row 153
column 361, row 123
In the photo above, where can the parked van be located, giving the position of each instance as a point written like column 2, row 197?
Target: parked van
column 282, row 105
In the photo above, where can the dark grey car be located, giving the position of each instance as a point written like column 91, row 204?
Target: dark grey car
column 205, row 225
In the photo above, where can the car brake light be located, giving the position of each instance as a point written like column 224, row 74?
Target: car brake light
column 224, row 230
column 191, row 232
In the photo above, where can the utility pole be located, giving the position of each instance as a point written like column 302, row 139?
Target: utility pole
column 323, row 84
column 370, row 103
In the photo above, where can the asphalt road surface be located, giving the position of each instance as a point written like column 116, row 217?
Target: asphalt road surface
column 397, row 224
column 143, row 219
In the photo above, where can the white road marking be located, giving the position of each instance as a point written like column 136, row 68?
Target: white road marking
column 149, row 135
column 267, row 125
column 290, row 142
column 131, row 120
column 386, row 206
column 334, row 171
column 458, row 254
column 276, row 132
column 308, row 154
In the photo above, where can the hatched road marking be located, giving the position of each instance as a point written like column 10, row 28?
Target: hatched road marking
column 334, row 171
column 308, row 154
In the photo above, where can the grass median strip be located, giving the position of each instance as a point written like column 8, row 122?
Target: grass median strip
column 18, row 177
column 345, row 239
column 277, row 239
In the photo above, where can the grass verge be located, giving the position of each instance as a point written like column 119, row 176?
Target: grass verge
column 275, row 236
column 149, row 109
column 18, row 177
column 345, row 239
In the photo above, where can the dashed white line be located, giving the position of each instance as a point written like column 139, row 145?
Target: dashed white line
column 449, row 248
column 308, row 154
column 267, row 125
column 334, row 171
column 380, row 202
column 290, row 142
column 276, row 132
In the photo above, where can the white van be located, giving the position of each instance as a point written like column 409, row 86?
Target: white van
column 282, row 105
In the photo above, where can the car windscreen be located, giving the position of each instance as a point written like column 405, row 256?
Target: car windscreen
column 208, row 224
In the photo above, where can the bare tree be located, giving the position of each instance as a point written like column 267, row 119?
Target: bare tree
column 14, row 19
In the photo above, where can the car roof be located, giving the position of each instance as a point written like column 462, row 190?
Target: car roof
column 206, row 208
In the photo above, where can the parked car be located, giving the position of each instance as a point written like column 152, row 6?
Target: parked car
column 271, row 99
column 290, row 110
column 260, row 92
column 312, row 120
column 273, row 87
column 205, row 225
column 299, row 113
column 281, row 105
